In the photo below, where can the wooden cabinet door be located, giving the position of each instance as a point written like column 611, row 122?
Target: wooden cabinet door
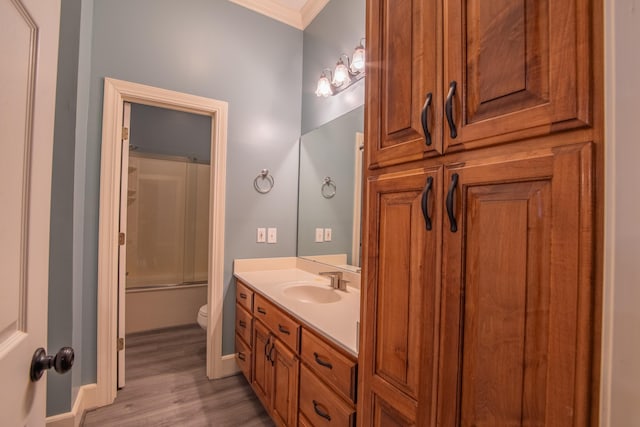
column 521, row 67
column 402, row 43
column 516, row 321
column 388, row 415
column 286, row 367
column 262, row 382
column 401, row 292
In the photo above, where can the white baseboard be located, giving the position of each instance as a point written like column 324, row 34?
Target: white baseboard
column 228, row 366
column 86, row 399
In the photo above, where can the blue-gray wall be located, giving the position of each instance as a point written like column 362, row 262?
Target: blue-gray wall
column 170, row 132
column 60, row 311
column 211, row 48
column 218, row 50
column 337, row 29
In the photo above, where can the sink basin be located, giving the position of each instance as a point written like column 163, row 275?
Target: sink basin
column 312, row 294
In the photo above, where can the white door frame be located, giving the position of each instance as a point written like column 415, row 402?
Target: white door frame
column 116, row 92
column 357, row 201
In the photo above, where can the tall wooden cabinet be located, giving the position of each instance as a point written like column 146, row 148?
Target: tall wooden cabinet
column 480, row 297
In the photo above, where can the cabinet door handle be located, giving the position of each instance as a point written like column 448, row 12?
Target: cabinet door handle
column 243, row 296
column 450, row 196
column 271, row 351
column 262, row 310
column 283, row 329
column 322, row 362
column 241, row 356
column 424, row 119
column 266, row 345
column 448, row 108
column 425, row 200
column 242, row 324
column 316, row 407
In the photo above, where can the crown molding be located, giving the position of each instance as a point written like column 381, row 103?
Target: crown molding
column 310, row 10
column 274, row 9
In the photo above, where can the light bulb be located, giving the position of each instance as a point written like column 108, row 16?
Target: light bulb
column 324, row 87
column 341, row 74
column 357, row 61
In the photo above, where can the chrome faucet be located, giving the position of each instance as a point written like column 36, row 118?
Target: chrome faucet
column 336, row 280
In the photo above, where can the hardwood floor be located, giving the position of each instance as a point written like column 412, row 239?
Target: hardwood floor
column 166, row 385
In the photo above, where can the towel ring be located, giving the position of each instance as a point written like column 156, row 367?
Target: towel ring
column 328, row 188
column 263, row 183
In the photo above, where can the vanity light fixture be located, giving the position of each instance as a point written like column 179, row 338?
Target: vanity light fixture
column 343, row 75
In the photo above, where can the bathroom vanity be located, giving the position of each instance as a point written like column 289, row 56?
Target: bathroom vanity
column 296, row 341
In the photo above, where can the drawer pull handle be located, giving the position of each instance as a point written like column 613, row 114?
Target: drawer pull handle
column 242, row 357
column 283, row 330
column 243, row 296
column 320, row 412
column 322, row 362
column 242, row 324
column 262, row 310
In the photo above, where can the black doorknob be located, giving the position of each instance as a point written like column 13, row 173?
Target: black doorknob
column 61, row 362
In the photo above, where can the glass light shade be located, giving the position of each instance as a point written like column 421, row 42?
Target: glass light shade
column 357, row 61
column 341, row 74
column 324, row 86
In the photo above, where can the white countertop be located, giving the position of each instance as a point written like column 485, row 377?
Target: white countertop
column 336, row 320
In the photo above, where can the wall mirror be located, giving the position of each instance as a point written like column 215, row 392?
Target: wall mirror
column 330, row 192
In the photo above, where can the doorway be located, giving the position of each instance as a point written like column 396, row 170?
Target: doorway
column 164, row 224
column 116, row 94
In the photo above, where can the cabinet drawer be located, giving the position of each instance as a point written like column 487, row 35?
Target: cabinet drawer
column 244, row 296
column 320, row 405
column 329, row 364
column 243, row 357
column 281, row 325
column 244, row 323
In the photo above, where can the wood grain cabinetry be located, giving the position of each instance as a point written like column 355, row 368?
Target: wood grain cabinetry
column 320, row 405
column 521, row 67
column 334, row 367
column 402, row 81
column 281, row 350
column 486, row 73
column 275, row 372
column 244, row 330
column 285, row 365
column 400, row 313
column 479, row 303
column 516, row 295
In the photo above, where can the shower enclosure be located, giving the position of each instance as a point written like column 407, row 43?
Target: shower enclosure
column 167, row 240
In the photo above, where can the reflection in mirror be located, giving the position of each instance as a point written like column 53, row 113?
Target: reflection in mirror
column 330, row 192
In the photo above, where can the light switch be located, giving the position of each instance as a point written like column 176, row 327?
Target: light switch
column 319, row 235
column 262, row 235
column 272, row 235
column 327, row 234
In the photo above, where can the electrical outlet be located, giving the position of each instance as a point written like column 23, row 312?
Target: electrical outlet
column 262, row 235
column 319, row 235
column 272, row 235
column 327, row 234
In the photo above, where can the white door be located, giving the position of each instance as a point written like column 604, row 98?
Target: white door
column 29, row 52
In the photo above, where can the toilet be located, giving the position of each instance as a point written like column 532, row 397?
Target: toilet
column 202, row 316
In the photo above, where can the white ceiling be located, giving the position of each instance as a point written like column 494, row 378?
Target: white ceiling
column 297, row 13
